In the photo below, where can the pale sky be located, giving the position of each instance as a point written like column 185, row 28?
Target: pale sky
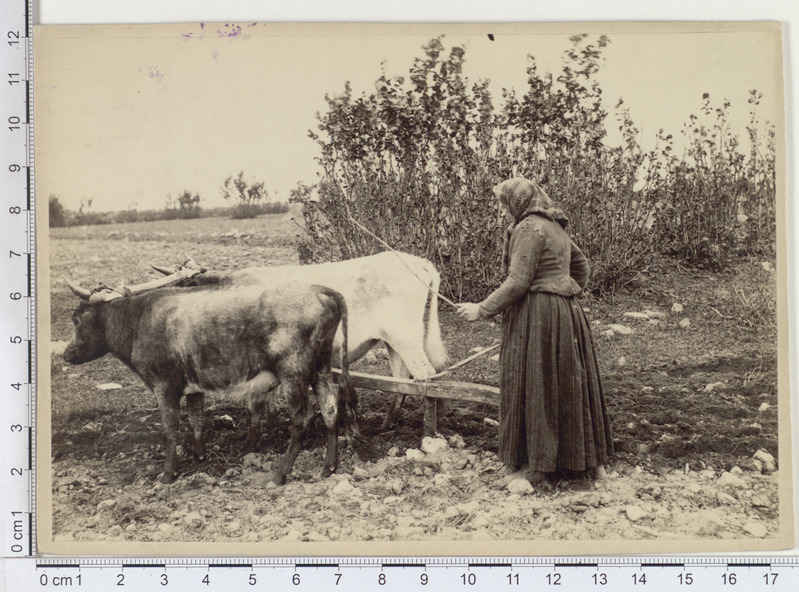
column 126, row 117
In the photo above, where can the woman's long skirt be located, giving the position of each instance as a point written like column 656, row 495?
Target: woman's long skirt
column 552, row 408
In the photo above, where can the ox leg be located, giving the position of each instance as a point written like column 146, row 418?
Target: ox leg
column 169, row 402
column 398, row 370
column 194, row 409
column 406, row 360
column 256, row 415
column 297, row 396
column 328, row 405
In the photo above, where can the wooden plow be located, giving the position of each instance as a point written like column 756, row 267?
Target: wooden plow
column 430, row 389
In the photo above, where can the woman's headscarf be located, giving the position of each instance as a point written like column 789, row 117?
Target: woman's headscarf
column 523, row 197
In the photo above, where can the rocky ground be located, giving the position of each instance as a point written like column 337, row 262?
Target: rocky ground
column 689, row 362
column 451, row 493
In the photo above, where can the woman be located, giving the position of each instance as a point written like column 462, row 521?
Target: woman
column 552, row 409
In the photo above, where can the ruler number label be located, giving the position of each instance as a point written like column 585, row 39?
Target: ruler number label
column 513, row 579
column 639, row 579
column 18, row 532
column 771, row 578
column 120, row 579
column 252, row 581
column 295, row 579
column 60, row 581
column 729, row 579
column 206, row 580
column 686, row 579
column 470, row 579
column 12, row 80
column 381, row 579
column 553, row 579
column 164, row 580
column 15, row 210
column 600, row 579
column 338, row 578
column 424, row 579
column 13, row 37
column 13, row 123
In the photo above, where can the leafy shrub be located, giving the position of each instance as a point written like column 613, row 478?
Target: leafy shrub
column 414, row 162
column 397, row 160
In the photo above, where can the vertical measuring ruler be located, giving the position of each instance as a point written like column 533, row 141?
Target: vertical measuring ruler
column 18, row 281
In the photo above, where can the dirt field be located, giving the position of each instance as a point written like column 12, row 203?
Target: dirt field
column 691, row 403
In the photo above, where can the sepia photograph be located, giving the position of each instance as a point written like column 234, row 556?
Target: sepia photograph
column 411, row 289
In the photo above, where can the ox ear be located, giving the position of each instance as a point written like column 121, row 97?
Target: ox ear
column 81, row 293
column 190, row 263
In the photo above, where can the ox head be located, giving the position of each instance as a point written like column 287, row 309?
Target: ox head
column 88, row 340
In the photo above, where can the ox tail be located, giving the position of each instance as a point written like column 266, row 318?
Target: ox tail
column 434, row 346
column 347, row 395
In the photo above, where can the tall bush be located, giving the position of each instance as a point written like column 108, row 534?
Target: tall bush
column 411, row 162
column 554, row 133
column 414, row 161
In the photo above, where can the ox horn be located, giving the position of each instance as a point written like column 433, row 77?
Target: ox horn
column 163, row 270
column 170, row 279
column 81, row 293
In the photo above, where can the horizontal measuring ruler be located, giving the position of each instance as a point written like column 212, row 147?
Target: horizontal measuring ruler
column 23, row 570
column 516, row 573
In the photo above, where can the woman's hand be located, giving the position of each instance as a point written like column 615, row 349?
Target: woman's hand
column 469, row 311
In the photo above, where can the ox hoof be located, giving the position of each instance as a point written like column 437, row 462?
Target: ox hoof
column 168, row 478
column 277, row 480
column 389, row 423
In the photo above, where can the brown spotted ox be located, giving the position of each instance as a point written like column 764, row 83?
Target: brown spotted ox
column 386, row 294
column 241, row 341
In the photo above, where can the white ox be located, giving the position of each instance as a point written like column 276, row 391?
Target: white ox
column 386, row 295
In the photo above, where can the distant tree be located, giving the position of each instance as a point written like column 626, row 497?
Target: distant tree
column 85, row 217
column 188, row 205
column 246, row 197
column 58, row 215
column 170, row 208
